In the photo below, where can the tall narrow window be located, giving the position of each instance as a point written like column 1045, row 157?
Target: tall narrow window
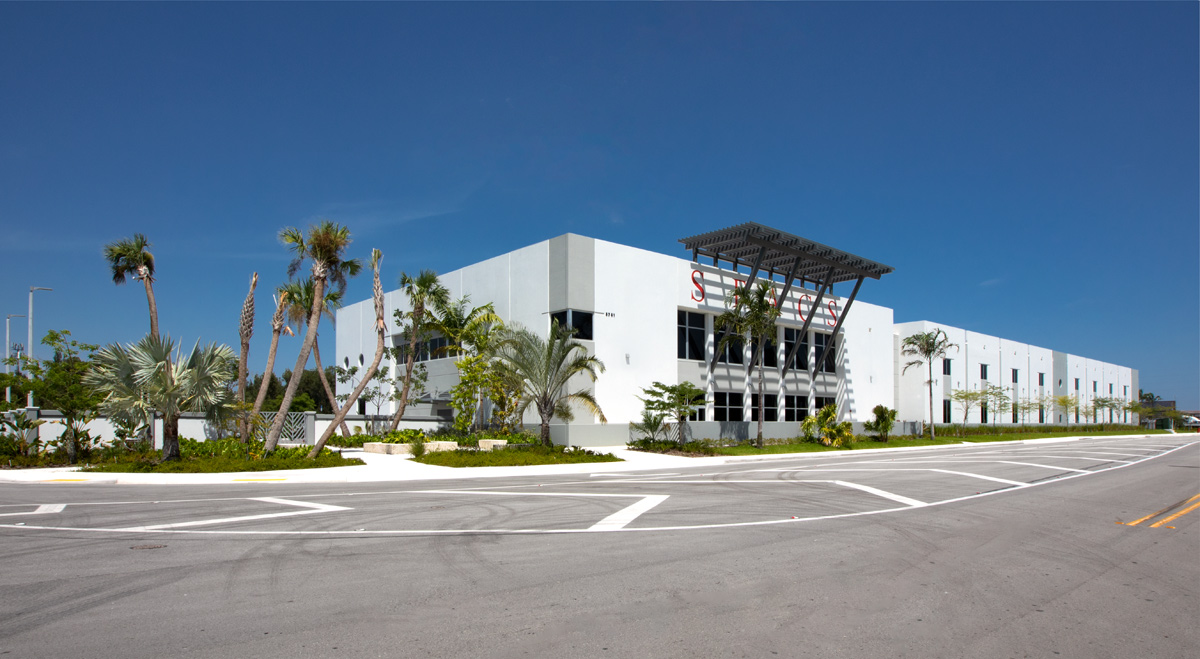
column 790, row 335
column 1015, row 413
column 983, row 371
column 1041, row 413
column 983, row 412
column 1076, row 384
column 795, row 408
column 770, row 357
column 1015, row 374
column 729, row 352
column 727, row 406
column 770, row 407
column 819, row 341
column 1041, row 379
column 690, row 341
column 945, row 367
column 946, row 410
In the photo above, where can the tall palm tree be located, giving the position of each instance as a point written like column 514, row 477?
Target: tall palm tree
column 751, row 312
column 300, row 296
column 380, row 350
column 131, row 258
column 152, row 376
column 544, row 367
column 325, row 244
column 245, row 332
column 467, row 329
column 278, row 326
column 927, row 347
column 423, row 291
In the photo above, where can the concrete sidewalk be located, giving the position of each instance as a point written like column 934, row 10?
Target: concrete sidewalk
column 382, row 468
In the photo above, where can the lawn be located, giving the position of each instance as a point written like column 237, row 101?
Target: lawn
column 514, row 457
column 800, row 446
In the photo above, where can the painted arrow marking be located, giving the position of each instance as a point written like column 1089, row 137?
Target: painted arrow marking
column 310, row 508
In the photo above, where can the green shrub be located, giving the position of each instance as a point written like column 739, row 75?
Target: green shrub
column 695, row 447
column 527, row 455
column 823, row 428
column 883, row 422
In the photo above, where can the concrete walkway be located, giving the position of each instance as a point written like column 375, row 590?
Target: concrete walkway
column 380, row 467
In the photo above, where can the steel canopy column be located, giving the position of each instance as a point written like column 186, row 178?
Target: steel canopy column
column 808, row 321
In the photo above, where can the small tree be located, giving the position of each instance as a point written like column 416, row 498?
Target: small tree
column 424, row 291
column 967, row 399
column 997, row 399
column 750, row 311
column 927, row 346
column 59, row 384
column 651, row 426
column 1068, row 404
column 675, row 401
column 884, row 421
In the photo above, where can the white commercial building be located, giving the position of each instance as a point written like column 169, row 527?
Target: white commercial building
column 649, row 318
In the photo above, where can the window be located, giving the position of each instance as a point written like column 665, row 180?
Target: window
column 946, row 410
column 945, row 367
column 1015, row 413
column 823, row 401
column 819, row 341
column 983, row 412
column 770, row 357
column 730, row 353
column 790, row 334
column 727, row 406
column 1015, row 374
column 1041, row 413
column 698, row 415
column 1041, row 379
column 1109, row 388
column 795, row 408
column 770, row 407
column 983, row 371
column 580, row 321
column 691, row 336
column 1076, row 384
column 1094, row 387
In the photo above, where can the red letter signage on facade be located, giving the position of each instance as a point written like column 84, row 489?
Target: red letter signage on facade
column 698, row 282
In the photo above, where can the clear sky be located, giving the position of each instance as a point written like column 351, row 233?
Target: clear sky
column 1030, row 170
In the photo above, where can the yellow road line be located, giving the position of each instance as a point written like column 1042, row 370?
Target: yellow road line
column 1178, row 514
column 1156, row 514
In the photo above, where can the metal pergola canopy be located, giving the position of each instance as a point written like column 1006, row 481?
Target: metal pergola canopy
column 762, row 248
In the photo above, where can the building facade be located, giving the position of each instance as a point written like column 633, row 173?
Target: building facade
column 650, row 318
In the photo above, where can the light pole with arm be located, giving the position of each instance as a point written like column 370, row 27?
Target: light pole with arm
column 7, row 354
column 29, row 347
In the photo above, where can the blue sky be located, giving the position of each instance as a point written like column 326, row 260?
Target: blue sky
column 1029, row 169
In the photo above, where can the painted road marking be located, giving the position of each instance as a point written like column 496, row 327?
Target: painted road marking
column 310, row 509
column 1165, row 510
column 986, row 478
column 1178, row 514
column 43, row 509
column 619, row 519
column 878, row 492
column 1031, row 464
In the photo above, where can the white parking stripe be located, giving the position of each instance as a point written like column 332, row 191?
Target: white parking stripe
column 986, row 478
column 1030, row 464
column 41, row 510
column 881, row 493
column 626, row 515
column 312, row 508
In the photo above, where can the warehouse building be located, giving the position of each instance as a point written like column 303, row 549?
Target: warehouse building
column 649, row 318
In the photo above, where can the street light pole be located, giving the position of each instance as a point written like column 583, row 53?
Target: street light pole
column 29, row 347
column 7, row 354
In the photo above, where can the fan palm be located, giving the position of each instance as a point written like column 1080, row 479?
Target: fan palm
column 423, row 291
column 751, row 312
column 927, row 347
column 544, row 368
column 152, row 376
column 300, row 301
column 380, row 349
column 325, row 245
column 131, row 258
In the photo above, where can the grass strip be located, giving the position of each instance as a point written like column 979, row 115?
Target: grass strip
column 514, row 457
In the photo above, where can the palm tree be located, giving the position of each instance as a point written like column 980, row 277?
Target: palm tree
column 325, row 244
column 245, row 332
column 278, row 326
column 751, row 312
column 467, row 329
column 927, row 346
column 152, row 376
column 300, row 296
column 380, row 349
column 544, row 368
column 130, row 258
column 423, row 291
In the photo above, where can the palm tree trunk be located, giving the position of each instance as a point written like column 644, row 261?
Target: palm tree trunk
column 340, row 417
column 546, row 441
column 276, row 330
column 408, row 371
column 245, row 330
column 146, row 280
column 170, row 449
column 759, row 442
column 333, row 404
column 302, row 359
column 932, row 432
